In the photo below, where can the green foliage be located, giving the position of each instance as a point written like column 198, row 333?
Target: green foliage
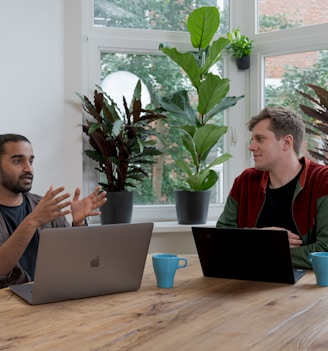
column 317, row 126
column 161, row 76
column 240, row 44
column 123, row 144
column 200, row 134
column 277, row 22
column 149, row 14
column 296, row 78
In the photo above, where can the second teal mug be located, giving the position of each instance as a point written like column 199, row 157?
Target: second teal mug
column 165, row 266
column 319, row 262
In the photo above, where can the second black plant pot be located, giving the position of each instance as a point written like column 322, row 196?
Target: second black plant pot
column 192, row 206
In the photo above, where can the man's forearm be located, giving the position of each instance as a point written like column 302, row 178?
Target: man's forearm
column 13, row 248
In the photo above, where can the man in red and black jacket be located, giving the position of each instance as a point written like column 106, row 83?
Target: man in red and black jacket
column 282, row 191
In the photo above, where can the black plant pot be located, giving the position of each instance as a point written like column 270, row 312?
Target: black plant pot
column 192, row 206
column 243, row 62
column 118, row 208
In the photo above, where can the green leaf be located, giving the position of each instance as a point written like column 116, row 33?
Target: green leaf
column 189, row 129
column 117, row 127
column 141, row 145
column 178, row 105
column 186, row 61
column 202, row 24
column 214, row 54
column 94, row 155
column 202, row 181
column 93, row 127
column 184, row 166
column 188, row 143
column 219, row 160
column 226, row 102
column 206, row 137
column 211, row 92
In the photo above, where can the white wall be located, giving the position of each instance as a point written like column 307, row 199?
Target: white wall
column 40, row 69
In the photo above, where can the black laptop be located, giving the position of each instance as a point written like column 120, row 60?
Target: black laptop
column 246, row 254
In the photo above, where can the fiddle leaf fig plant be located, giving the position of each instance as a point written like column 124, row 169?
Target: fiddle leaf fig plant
column 200, row 133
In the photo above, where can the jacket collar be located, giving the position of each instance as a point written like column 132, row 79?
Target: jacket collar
column 305, row 163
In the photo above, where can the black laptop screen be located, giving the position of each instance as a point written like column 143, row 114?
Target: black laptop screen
column 248, row 254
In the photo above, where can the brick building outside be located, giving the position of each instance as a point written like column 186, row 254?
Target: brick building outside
column 298, row 13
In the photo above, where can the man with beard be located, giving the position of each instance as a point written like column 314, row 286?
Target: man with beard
column 23, row 214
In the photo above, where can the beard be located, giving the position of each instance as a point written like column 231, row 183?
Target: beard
column 16, row 186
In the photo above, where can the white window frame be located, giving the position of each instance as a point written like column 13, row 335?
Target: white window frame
column 244, row 14
column 97, row 40
column 288, row 41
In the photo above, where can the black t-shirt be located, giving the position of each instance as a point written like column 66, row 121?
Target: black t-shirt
column 277, row 210
column 13, row 216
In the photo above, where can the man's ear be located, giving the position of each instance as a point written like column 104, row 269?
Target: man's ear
column 288, row 142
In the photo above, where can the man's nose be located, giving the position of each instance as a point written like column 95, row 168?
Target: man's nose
column 28, row 167
column 251, row 145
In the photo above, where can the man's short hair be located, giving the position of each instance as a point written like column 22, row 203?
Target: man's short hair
column 6, row 138
column 282, row 123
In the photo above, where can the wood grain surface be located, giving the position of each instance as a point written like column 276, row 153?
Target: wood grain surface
column 199, row 313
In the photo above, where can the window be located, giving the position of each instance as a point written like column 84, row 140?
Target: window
column 112, row 48
column 290, row 50
column 286, row 73
column 275, row 15
column 160, row 77
column 152, row 14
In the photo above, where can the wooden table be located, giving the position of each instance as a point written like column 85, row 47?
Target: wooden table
column 197, row 314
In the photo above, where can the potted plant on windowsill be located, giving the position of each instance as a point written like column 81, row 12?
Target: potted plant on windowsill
column 241, row 47
column 200, row 133
column 123, row 145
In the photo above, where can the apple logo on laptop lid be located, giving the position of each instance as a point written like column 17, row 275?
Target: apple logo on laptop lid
column 95, row 262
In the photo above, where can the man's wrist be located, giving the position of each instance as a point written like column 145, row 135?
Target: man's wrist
column 84, row 223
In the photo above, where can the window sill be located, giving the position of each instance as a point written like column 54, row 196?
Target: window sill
column 174, row 238
column 174, row 227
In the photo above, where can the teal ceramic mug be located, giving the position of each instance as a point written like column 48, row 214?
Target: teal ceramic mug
column 319, row 261
column 165, row 266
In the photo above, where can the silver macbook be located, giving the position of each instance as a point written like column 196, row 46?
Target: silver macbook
column 247, row 254
column 79, row 262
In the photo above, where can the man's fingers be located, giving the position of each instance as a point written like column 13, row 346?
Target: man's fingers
column 61, row 206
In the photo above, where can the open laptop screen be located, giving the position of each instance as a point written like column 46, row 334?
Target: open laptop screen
column 78, row 262
column 248, row 254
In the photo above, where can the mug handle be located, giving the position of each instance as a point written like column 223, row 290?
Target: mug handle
column 310, row 257
column 183, row 264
